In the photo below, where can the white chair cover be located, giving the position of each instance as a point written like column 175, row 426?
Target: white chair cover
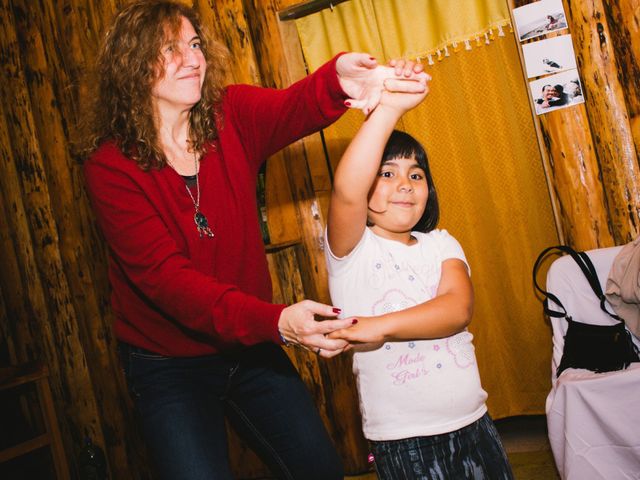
column 593, row 418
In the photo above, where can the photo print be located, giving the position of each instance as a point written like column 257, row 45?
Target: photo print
column 539, row 18
column 556, row 91
column 549, row 56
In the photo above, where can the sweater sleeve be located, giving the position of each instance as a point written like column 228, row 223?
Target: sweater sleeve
column 153, row 270
column 269, row 119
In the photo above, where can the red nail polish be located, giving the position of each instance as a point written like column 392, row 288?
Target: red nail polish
column 336, row 310
column 347, row 103
column 355, row 320
column 372, row 58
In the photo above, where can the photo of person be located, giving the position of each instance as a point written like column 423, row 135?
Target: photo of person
column 549, row 56
column 556, row 91
column 539, row 18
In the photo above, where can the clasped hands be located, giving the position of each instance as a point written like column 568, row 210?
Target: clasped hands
column 327, row 338
column 364, row 81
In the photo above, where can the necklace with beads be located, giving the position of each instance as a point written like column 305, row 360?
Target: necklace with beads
column 202, row 224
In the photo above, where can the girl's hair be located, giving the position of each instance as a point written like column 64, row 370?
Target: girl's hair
column 403, row 145
column 119, row 104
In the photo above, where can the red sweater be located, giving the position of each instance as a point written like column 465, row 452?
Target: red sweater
column 174, row 292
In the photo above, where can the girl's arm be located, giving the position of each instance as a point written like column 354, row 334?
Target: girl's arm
column 448, row 313
column 358, row 168
column 354, row 176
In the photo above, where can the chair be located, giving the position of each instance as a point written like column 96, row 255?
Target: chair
column 35, row 372
column 592, row 418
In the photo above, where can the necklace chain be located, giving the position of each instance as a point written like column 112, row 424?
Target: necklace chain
column 196, row 201
column 202, row 224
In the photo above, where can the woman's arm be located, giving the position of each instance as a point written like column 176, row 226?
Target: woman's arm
column 269, row 119
column 448, row 313
column 146, row 256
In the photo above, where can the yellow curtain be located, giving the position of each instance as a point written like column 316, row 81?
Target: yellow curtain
column 477, row 127
column 407, row 28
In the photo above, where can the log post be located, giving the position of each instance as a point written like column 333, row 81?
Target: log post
column 606, row 100
column 592, row 159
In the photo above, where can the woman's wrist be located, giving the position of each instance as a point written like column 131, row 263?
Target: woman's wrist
column 284, row 341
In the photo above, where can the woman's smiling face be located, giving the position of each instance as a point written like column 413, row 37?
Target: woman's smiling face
column 179, row 82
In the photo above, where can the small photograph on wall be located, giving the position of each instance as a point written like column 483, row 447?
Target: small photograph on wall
column 557, row 91
column 548, row 56
column 539, row 18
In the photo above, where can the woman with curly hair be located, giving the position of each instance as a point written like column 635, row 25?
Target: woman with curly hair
column 173, row 157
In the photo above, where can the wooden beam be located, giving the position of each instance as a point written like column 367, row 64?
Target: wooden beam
column 307, row 8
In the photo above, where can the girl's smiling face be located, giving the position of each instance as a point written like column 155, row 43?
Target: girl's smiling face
column 398, row 198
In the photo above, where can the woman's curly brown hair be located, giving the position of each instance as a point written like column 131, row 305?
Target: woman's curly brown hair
column 119, row 103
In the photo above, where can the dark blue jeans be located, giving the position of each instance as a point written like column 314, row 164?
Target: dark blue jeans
column 474, row 452
column 182, row 403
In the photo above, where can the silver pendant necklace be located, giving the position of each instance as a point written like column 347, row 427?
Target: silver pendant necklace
column 202, row 224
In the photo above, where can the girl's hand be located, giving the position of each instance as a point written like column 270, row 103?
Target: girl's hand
column 363, row 80
column 405, row 68
column 298, row 326
column 369, row 330
column 401, row 102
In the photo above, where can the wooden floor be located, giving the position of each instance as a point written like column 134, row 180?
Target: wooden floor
column 527, row 445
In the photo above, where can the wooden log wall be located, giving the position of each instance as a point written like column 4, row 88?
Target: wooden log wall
column 54, row 293
column 592, row 150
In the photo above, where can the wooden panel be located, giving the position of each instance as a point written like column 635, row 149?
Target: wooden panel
column 68, row 207
column 227, row 22
column 576, row 178
column 282, row 215
column 61, row 349
column 608, row 115
column 623, row 19
column 16, row 297
column 336, row 379
column 572, row 142
column 7, row 348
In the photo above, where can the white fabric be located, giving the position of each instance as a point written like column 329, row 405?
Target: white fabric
column 415, row 388
column 593, row 418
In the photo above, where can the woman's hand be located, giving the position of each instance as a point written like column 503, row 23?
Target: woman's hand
column 298, row 326
column 364, row 80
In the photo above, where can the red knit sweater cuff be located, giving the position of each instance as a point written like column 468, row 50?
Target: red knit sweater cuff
column 333, row 87
column 266, row 328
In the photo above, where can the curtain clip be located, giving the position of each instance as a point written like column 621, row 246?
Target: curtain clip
column 500, row 31
column 430, row 59
column 446, row 51
column 467, row 45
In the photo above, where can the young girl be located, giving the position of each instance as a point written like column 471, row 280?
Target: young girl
column 422, row 404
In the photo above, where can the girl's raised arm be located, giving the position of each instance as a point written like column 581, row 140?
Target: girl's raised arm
column 358, row 168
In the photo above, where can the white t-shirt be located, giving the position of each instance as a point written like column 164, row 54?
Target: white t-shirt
column 415, row 388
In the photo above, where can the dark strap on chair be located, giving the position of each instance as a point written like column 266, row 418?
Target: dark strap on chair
column 589, row 271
